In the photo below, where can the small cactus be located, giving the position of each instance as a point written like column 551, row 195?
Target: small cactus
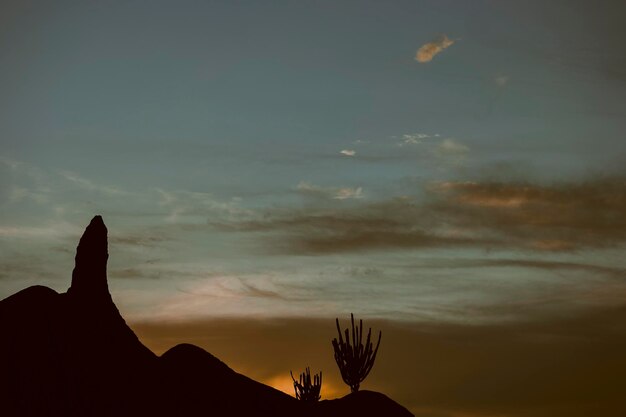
column 306, row 390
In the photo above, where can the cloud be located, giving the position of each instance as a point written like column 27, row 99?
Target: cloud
column 90, row 185
column 413, row 139
column 336, row 193
column 427, row 52
column 204, row 293
column 251, row 290
column 490, row 215
column 134, row 273
column 348, row 152
column 54, row 231
column 188, row 207
column 345, row 193
column 607, row 271
column 137, row 240
column 543, row 217
column 235, row 286
column 398, row 223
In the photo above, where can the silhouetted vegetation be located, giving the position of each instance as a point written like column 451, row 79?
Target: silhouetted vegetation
column 305, row 389
column 355, row 361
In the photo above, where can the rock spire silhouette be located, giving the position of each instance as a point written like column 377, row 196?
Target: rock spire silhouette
column 89, row 277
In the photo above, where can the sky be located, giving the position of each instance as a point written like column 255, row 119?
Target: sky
column 450, row 172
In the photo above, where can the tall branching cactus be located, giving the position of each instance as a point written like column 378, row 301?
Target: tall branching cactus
column 355, row 361
column 305, row 389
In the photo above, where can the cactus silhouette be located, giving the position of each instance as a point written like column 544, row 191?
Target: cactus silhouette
column 355, row 361
column 305, row 389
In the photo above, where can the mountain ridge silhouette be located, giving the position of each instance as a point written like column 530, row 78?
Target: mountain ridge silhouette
column 72, row 354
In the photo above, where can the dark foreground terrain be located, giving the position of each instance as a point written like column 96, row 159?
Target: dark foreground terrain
column 72, row 354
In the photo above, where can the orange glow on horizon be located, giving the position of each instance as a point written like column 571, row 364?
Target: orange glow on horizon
column 285, row 384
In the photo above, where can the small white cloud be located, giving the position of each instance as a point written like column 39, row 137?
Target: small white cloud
column 450, row 146
column 501, row 80
column 427, row 52
column 413, row 139
column 348, row 152
column 335, row 193
column 345, row 193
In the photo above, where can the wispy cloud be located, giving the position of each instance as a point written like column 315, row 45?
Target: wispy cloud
column 558, row 266
column 58, row 230
column 237, row 295
column 544, row 217
column 398, row 223
column 336, row 193
column 561, row 217
column 428, row 51
column 134, row 273
column 414, row 138
column 192, row 206
column 136, row 239
column 90, row 185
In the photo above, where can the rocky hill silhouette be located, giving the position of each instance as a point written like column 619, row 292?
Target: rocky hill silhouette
column 72, row 354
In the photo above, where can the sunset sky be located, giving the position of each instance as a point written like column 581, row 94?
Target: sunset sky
column 452, row 172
